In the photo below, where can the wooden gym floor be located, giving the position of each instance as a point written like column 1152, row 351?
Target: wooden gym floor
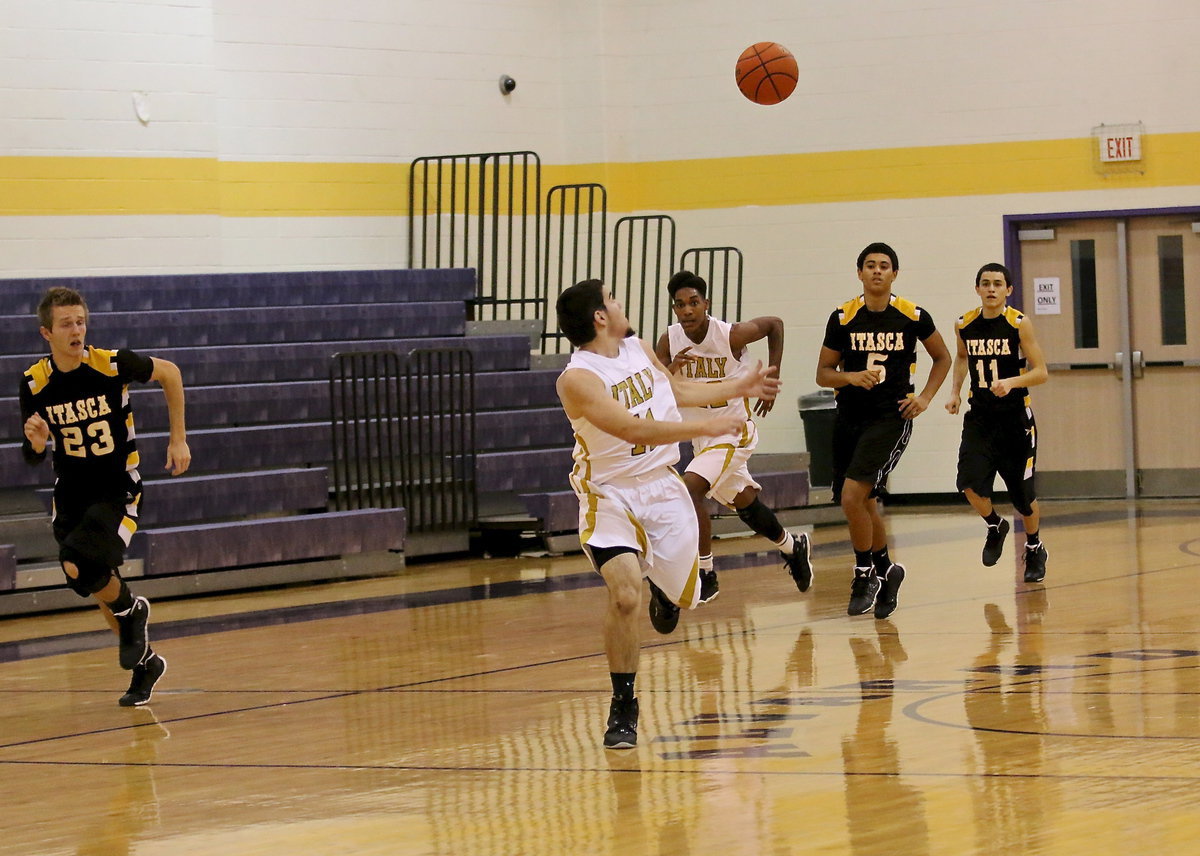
column 458, row 709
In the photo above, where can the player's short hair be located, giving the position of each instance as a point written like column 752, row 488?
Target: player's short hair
column 879, row 247
column 994, row 267
column 58, row 296
column 576, row 309
column 687, row 279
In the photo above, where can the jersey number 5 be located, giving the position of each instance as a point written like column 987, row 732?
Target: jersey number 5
column 73, row 440
column 875, row 363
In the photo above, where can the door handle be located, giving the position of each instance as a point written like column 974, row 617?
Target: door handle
column 1137, row 364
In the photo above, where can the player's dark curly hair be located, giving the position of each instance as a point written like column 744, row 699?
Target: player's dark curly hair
column 879, row 247
column 687, row 279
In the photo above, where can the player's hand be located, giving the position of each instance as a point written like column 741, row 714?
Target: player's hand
column 911, row 408
column 763, row 406
column 1002, row 387
column 179, row 458
column 761, row 382
column 953, row 404
column 680, row 360
column 37, row 432
column 867, row 378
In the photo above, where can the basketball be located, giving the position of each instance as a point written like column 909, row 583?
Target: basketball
column 767, row 73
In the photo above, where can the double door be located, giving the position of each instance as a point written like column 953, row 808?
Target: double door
column 1116, row 307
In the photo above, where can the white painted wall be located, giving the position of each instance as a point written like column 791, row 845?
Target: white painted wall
column 884, row 73
column 384, row 81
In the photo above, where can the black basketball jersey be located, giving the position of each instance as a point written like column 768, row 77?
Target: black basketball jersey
column 886, row 341
column 993, row 353
column 91, row 422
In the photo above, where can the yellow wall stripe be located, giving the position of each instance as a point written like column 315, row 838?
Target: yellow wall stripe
column 32, row 186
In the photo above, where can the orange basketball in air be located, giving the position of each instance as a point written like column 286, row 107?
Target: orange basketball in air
column 767, row 72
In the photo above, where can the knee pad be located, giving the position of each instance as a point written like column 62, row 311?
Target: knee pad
column 93, row 575
column 761, row 519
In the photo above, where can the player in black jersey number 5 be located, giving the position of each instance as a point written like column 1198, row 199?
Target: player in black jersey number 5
column 996, row 346
column 78, row 400
column 869, row 355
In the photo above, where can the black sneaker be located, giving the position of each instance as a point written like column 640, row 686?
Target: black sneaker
column 799, row 563
column 863, row 591
column 622, row 724
column 1035, row 563
column 994, row 545
column 709, row 587
column 131, row 630
column 885, row 603
column 145, row 676
column 664, row 615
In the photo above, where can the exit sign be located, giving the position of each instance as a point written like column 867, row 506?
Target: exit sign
column 1123, row 146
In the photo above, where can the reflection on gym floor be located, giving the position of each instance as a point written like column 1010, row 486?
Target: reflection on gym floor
column 458, row 709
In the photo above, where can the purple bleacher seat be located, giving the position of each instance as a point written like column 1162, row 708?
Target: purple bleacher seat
column 141, row 293
column 8, row 567
column 305, row 537
column 522, row 429
column 523, row 471
column 223, row 364
column 151, row 330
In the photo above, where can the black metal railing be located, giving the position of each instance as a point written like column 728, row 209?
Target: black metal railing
column 721, row 268
column 643, row 258
column 484, row 211
column 576, row 247
column 403, row 433
column 481, row 211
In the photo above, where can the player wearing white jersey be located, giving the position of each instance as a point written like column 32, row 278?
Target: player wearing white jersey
column 702, row 349
column 635, row 515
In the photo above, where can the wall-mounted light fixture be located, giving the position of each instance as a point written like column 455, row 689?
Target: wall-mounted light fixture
column 1035, row 234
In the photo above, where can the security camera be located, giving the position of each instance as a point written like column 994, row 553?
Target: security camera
column 507, row 84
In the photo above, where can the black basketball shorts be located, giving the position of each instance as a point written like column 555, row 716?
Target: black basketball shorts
column 867, row 449
column 1002, row 443
column 96, row 527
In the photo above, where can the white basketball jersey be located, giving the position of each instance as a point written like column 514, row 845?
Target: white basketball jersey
column 646, row 392
column 713, row 361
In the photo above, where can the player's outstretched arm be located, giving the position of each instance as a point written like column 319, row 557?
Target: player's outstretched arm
column 179, row 456
column 764, row 327
column 583, row 395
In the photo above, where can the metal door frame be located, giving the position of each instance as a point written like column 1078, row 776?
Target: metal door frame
column 1013, row 223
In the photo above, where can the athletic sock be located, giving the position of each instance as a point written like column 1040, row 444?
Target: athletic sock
column 993, row 519
column 123, row 602
column 706, row 562
column 1032, row 540
column 787, row 543
column 622, row 684
column 881, row 560
column 862, row 559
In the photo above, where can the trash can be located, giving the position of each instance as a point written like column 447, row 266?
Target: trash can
column 817, row 412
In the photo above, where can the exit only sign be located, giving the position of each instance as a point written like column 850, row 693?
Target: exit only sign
column 1120, row 146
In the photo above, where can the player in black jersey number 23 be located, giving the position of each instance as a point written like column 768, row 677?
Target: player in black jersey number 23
column 77, row 399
